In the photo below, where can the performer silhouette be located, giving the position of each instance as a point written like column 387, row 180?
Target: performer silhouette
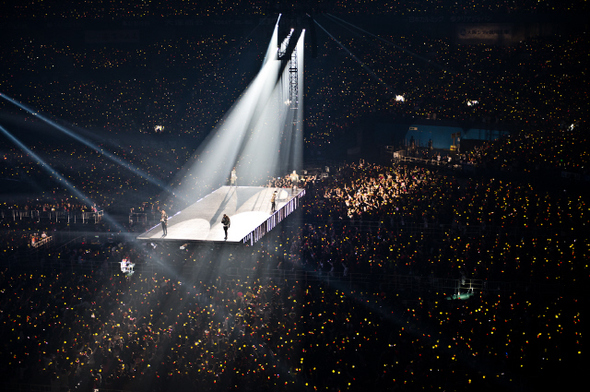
column 273, row 202
column 225, row 221
column 294, row 177
column 164, row 222
column 233, row 177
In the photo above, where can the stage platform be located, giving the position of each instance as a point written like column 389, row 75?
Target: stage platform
column 249, row 209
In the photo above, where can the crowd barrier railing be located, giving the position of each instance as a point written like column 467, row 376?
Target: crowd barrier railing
column 272, row 221
column 51, row 216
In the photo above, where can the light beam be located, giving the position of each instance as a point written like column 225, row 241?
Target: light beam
column 61, row 179
column 89, row 144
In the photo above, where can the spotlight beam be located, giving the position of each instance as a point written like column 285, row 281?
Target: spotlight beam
column 249, row 136
column 107, row 154
column 57, row 176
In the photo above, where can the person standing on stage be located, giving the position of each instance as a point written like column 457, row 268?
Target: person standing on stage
column 233, row 177
column 164, row 222
column 226, row 223
column 273, row 202
column 294, row 177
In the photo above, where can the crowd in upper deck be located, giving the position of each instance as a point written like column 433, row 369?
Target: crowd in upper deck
column 138, row 9
column 184, row 85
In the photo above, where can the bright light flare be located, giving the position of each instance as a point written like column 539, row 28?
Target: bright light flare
column 259, row 136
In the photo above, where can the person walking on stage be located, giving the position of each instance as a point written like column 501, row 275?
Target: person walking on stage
column 164, row 222
column 226, row 223
column 273, row 202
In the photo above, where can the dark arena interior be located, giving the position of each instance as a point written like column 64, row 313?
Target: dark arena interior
column 405, row 185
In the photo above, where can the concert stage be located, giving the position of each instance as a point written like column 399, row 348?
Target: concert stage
column 248, row 207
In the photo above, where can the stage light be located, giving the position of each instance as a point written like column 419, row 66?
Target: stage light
column 259, row 135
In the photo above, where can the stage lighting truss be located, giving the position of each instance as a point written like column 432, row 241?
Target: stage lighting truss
column 293, row 81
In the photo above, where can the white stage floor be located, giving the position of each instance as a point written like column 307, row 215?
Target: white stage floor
column 247, row 207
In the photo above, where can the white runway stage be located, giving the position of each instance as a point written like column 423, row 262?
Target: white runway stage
column 249, row 209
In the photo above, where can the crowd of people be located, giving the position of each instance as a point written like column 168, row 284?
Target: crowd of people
column 559, row 149
column 162, row 332
column 183, row 86
column 176, row 329
column 137, row 9
column 313, row 305
column 165, row 331
column 480, row 226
